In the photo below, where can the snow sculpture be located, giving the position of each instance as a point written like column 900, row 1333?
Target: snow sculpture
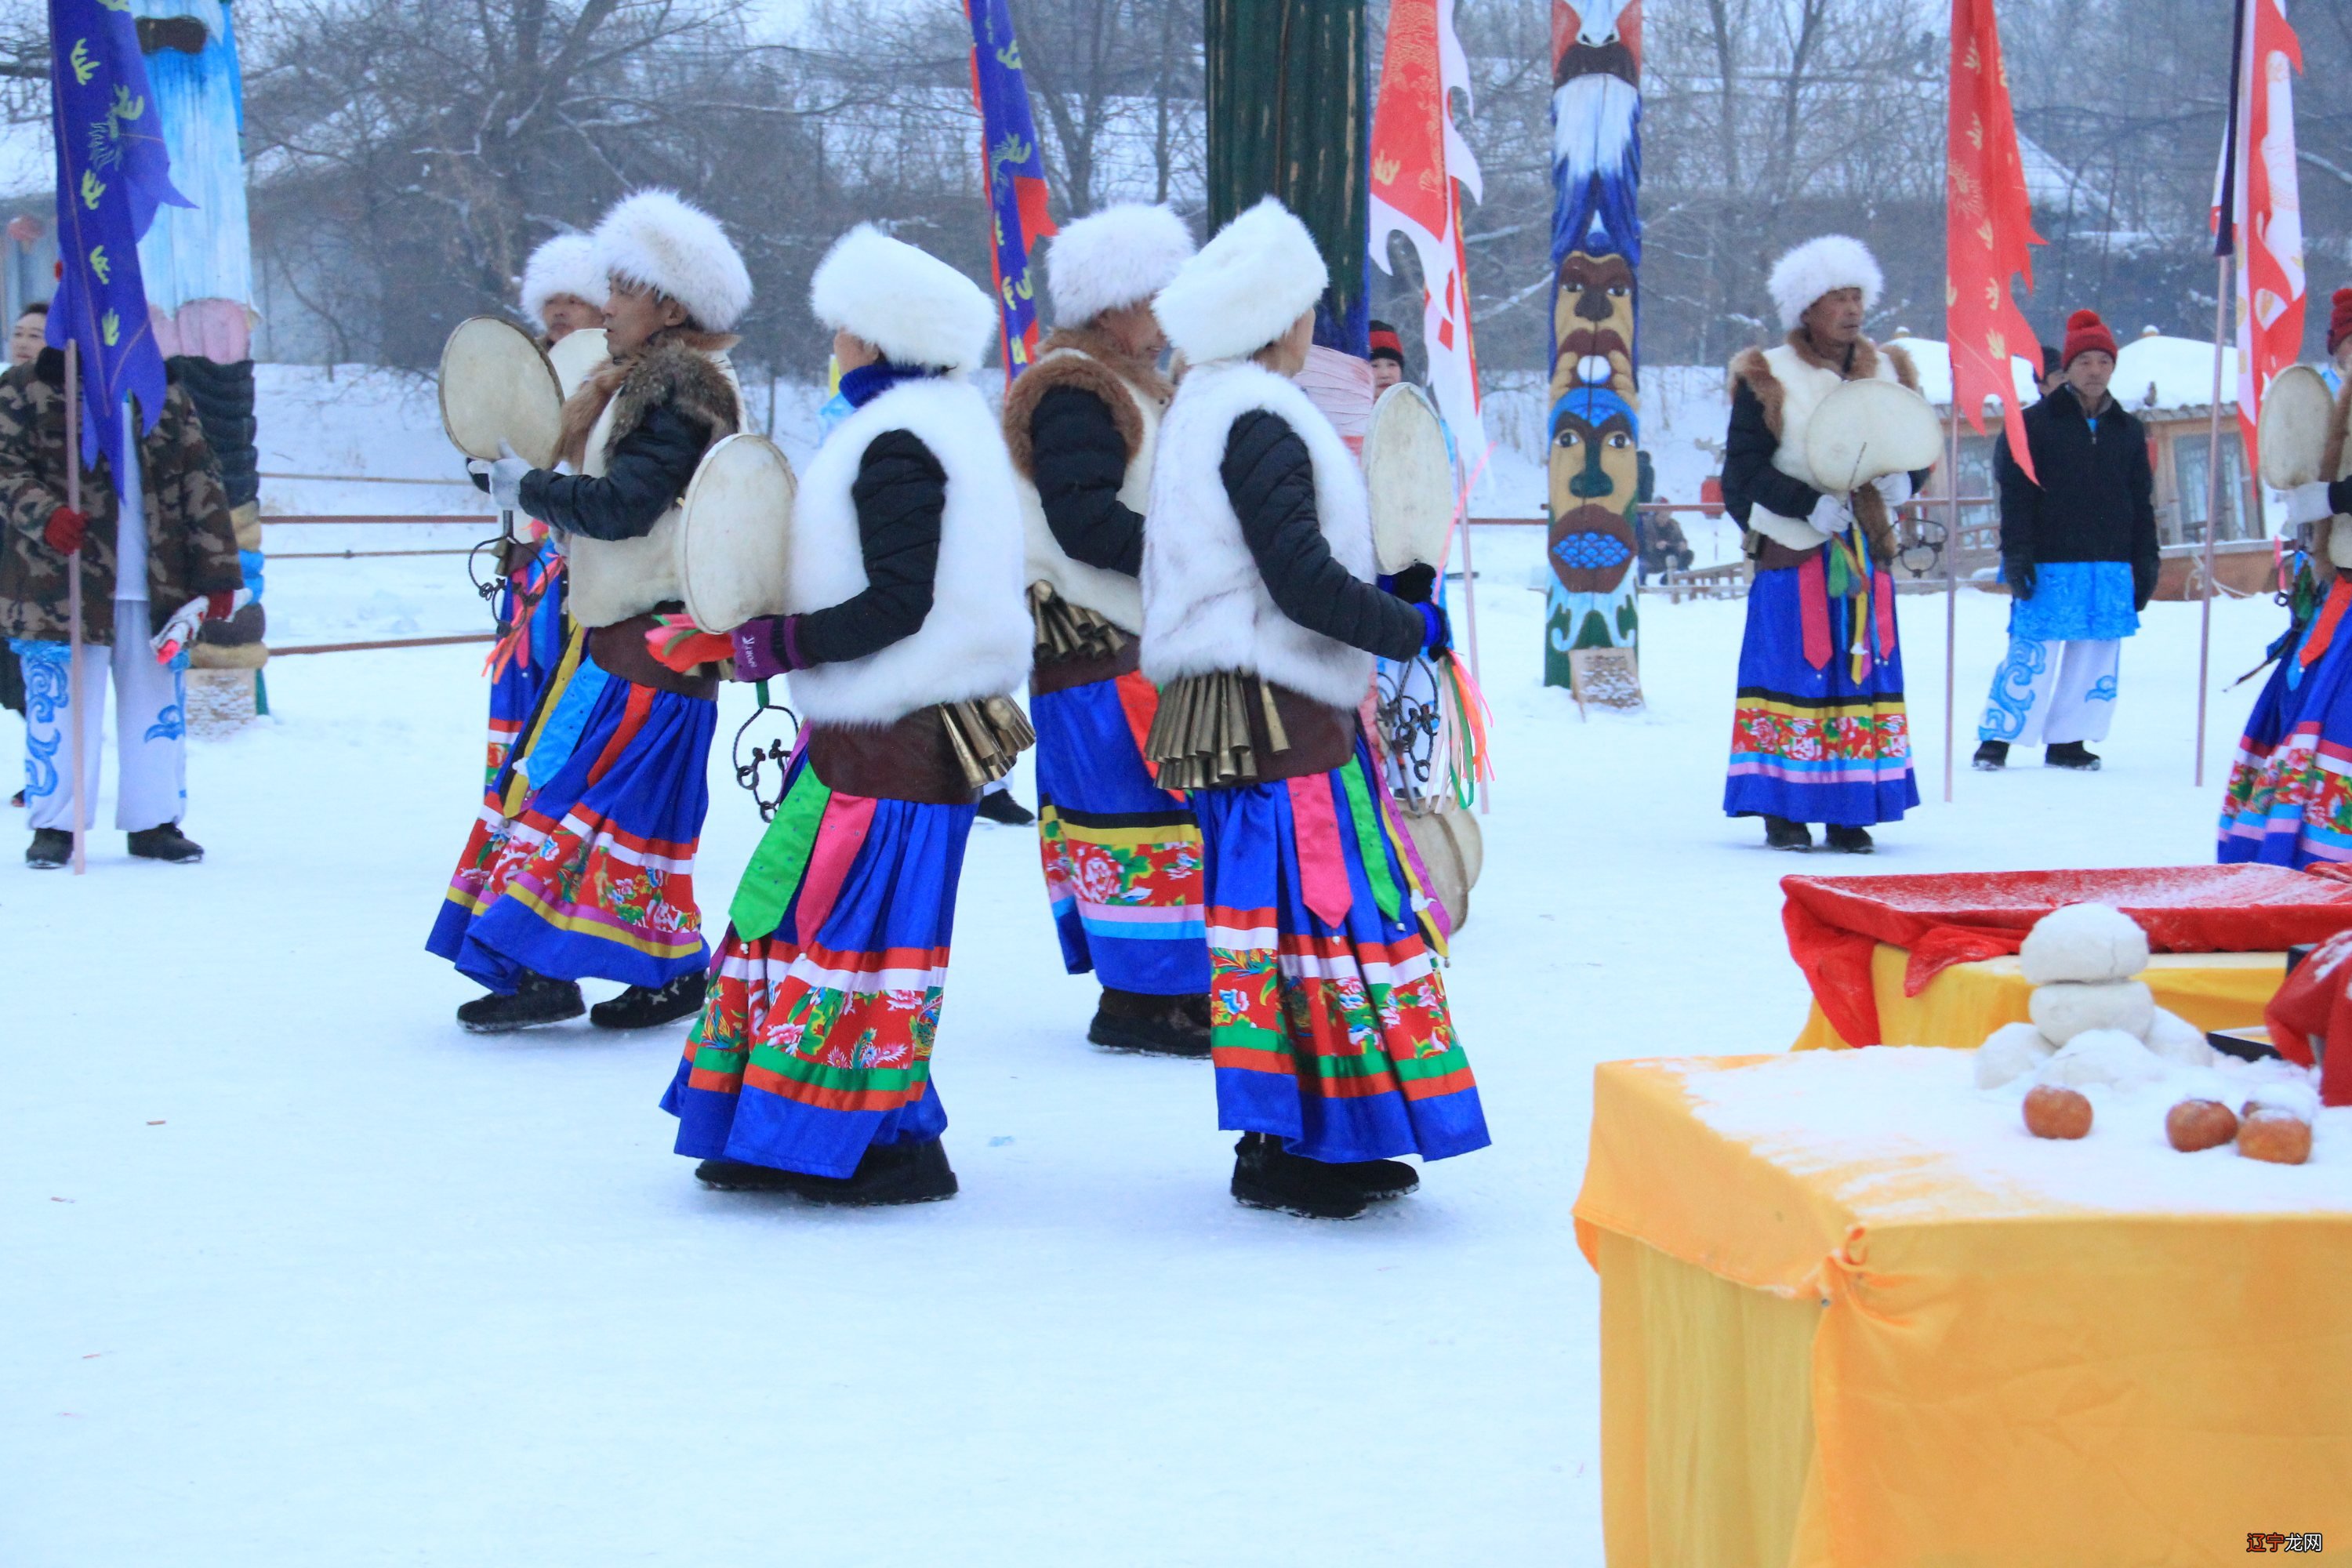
column 2095, row 1022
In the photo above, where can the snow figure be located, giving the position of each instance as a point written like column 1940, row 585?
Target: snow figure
column 2095, row 1021
column 1596, row 471
column 198, row 265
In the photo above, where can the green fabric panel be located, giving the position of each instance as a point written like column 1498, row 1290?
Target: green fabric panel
column 1371, row 842
column 1290, row 116
column 777, row 865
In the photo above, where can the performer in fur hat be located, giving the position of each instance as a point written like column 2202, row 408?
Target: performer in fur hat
column 1122, row 855
column 810, row 1069
column 1329, row 1026
column 1820, row 734
column 595, row 877
column 2289, row 801
column 538, row 652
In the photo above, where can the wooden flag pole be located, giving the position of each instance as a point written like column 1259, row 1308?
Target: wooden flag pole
column 2222, row 291
column 1951, row 582
column 73, row 608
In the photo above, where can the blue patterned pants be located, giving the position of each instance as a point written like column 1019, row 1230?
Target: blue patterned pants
column 2050, row 693
column 150, row 730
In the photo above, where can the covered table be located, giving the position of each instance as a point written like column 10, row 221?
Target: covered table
column 1852, row 1314
column 1868, row 945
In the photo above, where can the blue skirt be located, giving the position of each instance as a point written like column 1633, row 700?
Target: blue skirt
column 2289, row 799
column 816, row 1037
column 596, row 876
column 1331, row 1035
column 1122, row 856
column 1817, row 746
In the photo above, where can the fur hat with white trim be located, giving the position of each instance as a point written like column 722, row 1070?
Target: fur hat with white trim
column 658, row 240
column 906, row 303
column 1109, row 260
column 564, row 265
column 1821, row 266
column 1244, row 288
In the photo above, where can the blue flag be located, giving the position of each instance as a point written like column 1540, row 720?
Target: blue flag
column 112, row 173
column 1015, row 170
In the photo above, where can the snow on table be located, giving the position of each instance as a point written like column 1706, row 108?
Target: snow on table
column 1909, row 1137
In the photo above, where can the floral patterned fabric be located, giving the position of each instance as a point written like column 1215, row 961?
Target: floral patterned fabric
column 1335, row 1038
column 814, row 1044
column 1122, row 856
column 1816, row 745
column 2289, row 800
column 594, row 878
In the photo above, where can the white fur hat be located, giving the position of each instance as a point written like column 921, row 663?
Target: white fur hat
column 564, row 265
column 906, row 303
column 1819, row 266
column 657, row 239
column 1109, row 260
column 1244, row 288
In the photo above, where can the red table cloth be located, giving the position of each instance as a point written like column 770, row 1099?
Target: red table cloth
column 1834, row 922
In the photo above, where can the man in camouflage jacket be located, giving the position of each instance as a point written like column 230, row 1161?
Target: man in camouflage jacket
column 188, row 547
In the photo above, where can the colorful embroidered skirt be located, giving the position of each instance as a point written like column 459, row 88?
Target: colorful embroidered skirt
column 1329, row 1025
column 531, row 608
column 1811, row 743
column 1122, row 856
column 596, row 876
column 815, row 1039
column 2289, row 801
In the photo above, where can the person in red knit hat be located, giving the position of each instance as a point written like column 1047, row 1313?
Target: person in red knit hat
column 2339, row 339
column 2078, row 550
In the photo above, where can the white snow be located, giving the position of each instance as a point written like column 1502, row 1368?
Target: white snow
column 1912, row 1138
column 298, row 1273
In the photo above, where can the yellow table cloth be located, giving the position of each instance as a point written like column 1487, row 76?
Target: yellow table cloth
column 1852, row 1315
column 1969, row 1000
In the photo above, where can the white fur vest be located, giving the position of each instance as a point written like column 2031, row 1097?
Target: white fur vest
column 1113, row 595
column 976, row 640
column 610, row 580
column 1803, row 382
column 1205, row 607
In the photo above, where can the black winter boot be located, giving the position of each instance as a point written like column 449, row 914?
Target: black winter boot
column 886, row 1174
column 640, row 1007
column 1380, row 1179
column 537, row 1000
column 2071, row 754
column 998, row 805
column 50, row 848
column 166, row 844
column 1779, row 833
column 1153, row 1025
column 1267, row 1176
column 1849, row 840
column 734, row 1177
column 1992, row 757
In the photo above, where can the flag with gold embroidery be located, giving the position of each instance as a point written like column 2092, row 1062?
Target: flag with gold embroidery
column 1987, row 229
column 1015, row 170
column 112, row 173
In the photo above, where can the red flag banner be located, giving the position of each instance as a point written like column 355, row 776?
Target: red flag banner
column 1987, row 229
column 2268, row 210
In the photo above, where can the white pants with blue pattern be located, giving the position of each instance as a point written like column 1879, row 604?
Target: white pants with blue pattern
column 2051, row 693
column 150, row 730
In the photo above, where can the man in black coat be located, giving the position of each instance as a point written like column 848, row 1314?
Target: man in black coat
column 2078, row 550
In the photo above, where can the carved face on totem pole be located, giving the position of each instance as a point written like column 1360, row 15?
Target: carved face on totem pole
column 1596, row 477
column 1592, row 325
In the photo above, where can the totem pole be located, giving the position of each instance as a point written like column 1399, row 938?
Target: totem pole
column 198, row 263
column 1596, row 469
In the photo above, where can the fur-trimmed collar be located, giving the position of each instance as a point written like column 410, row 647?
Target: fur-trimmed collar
column 1100, row 366
column 1750, row 366
column 674, row 368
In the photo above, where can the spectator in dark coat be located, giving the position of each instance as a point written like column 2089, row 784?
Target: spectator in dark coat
column 2079, row 553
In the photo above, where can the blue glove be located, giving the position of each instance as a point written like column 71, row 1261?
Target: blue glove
column 1437, row 632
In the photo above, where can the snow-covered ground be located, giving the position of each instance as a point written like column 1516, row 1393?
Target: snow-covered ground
column 298, row 1273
